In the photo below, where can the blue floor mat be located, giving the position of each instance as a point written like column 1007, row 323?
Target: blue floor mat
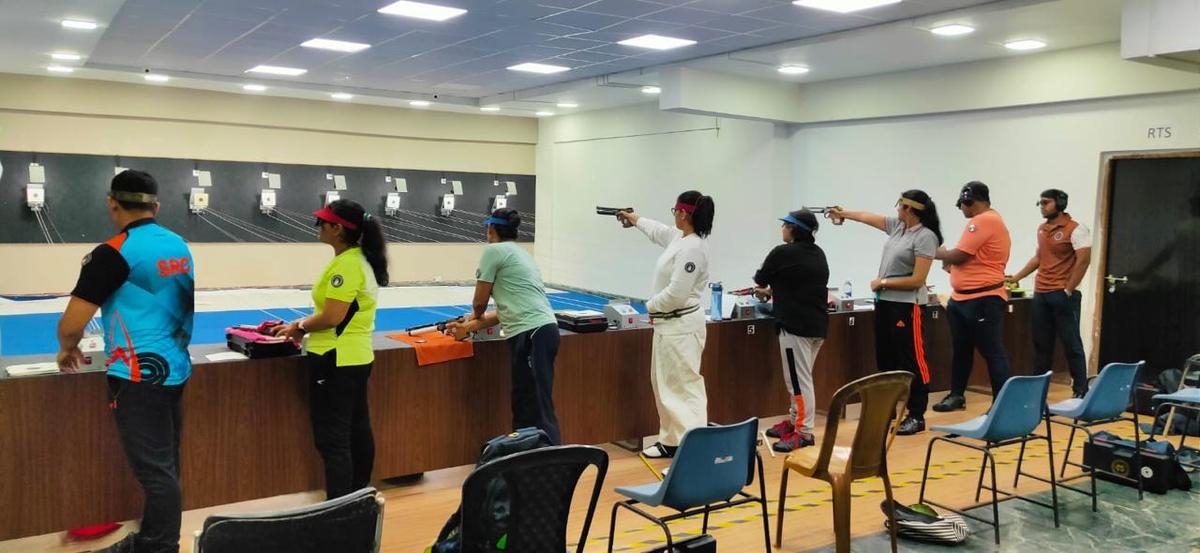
column 34, row 334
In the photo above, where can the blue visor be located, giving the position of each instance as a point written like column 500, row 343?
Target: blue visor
column 495, row 221
column 794, row 221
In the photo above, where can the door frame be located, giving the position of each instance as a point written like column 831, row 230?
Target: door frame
column 1100, row 240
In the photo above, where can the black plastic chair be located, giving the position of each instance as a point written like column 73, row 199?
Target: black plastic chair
column 352, row 523
column 540, row 484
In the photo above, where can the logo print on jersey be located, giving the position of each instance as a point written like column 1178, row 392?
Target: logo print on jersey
column 1058, row 235
column 971, row 227
column 690, row 267
column 153, row 368
column 336, row 281
column 87, row 259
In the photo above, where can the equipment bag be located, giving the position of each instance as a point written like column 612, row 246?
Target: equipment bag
column 1160, row 472
column 449, row 539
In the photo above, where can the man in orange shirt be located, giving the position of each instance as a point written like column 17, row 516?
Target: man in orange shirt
column 976, row 308
column 1063, row 252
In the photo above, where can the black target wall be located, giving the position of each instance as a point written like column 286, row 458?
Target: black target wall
column 76, row 187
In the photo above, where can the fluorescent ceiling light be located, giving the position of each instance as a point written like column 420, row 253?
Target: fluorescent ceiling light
column 418, row 103
column 656, row 42
column 341, row 96
column 156, row 78
column 489, row 108
column 1024, row 45
column 60, row 69
column 953, row 29
column 335, row 45
column 419, row 10
column 792, row 69
column 276, row 70
column 66, row 56
column 77, row 24
column 843, row 6
column 544, row 113
column 539, row 68
column 651, row 90
column 567, row 105
column 253, row 87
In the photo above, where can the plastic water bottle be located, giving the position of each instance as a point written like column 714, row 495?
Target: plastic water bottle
column 849, row 292
column 717, row 292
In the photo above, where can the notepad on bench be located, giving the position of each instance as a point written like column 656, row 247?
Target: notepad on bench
column 32, row 369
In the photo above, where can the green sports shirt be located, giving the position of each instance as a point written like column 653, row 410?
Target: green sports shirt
column 348, row 278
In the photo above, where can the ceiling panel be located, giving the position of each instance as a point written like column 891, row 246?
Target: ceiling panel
column 220, row 39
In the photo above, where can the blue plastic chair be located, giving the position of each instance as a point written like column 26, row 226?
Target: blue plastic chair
column 1014, row 416
column 709, row 470
column 1105, row 403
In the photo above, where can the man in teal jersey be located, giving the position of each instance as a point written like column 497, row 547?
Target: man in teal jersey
column 143, row 282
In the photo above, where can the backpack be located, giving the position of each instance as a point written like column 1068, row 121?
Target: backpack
column 449, row 539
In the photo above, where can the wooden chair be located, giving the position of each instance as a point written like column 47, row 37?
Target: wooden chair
column 866, row 457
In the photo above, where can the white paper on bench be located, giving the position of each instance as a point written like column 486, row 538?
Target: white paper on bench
column 32, row 369
column 226, row 356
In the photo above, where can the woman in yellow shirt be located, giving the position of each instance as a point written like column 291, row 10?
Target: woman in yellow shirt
column 339, row 343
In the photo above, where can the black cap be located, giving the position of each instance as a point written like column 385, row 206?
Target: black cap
column 134, row 186
column 974, row 191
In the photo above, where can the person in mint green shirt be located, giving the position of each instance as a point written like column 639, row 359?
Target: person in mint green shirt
column 508, row 274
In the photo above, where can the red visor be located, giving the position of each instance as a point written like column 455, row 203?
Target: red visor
column 689, row 209
column 327, row 215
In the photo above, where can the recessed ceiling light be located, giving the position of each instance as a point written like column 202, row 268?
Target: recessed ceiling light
column 567, row 105
column 953, row 29
column 421, row 10
column 418, row 103
column 843, row 6
column 60, row 69
column 156, row 78
column 792, row 69
column 78, row 24
column 66, row 56
column 276, row 70
column 656, row 42
column 489, row 108
column 253, row 87
column 341, row 96
column 1024, row 45
column 651, row 90
column 539, row 68
column 544, row 113
column 335, row 45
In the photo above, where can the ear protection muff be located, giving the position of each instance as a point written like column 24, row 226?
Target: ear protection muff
column 1059, row 197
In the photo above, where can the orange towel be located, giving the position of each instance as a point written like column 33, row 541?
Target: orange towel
column 435, row 347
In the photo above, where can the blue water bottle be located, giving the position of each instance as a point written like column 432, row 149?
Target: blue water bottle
column 717, row 292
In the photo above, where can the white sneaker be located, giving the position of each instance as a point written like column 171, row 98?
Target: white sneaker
column 659, row 451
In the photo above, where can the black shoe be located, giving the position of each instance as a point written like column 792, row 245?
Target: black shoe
column 1078, row 395
column 951, row 403
column 910, row 426
column 123, row 546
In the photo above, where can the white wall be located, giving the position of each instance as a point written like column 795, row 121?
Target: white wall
column 1017, row 152
column 641, row 157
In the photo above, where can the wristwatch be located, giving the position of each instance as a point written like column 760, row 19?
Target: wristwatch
column 300, row 325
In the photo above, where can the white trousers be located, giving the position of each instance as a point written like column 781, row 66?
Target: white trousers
column 798, row 355
column 679, row 390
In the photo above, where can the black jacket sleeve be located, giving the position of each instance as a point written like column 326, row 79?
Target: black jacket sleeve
column 766, row 274
column 104, row 270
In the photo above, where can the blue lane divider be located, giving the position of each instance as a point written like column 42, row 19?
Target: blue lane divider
column 34, row 334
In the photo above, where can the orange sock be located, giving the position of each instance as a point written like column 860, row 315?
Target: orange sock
column 799, row 399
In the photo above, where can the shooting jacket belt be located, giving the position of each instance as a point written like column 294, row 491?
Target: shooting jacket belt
column 678, row 313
